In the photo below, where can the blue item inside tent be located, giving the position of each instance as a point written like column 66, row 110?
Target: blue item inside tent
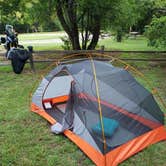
column 110, row 126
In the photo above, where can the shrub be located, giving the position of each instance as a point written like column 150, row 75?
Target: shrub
column 156, row 32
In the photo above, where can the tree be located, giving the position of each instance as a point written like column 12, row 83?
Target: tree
column 9, row 10
column 12, row 11
column 156, row 32
column 89, row 17
column 41, row 15
column 30, row 15
column 145, row 10
column 124, row 16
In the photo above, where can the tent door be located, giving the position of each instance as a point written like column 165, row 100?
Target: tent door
column 56, row 96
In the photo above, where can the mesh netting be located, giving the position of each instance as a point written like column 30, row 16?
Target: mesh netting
column 107, row 106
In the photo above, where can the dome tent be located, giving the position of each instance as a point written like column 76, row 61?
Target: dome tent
column 101, row 108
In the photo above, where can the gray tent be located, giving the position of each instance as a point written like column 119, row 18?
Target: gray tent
column 101, row 108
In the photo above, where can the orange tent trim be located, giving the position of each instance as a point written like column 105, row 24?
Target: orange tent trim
column 117, row 155
column 59, row 99
column 92, row 153
column 132, row 147
column 38, row 110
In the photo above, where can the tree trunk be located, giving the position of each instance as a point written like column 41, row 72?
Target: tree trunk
column 119, row 36
column 71, row 26
column 95, row 33
column 67, row 14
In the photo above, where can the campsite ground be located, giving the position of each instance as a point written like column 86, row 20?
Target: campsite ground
column 25, row 138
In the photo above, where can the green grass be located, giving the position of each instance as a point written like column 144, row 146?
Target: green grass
column 25, row 137
column 138, row 43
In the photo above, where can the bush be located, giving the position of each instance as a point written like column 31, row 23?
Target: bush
column 66, row 43
column 156, row 32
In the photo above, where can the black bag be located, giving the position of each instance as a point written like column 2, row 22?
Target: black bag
column 2, row 40
column 18, row 59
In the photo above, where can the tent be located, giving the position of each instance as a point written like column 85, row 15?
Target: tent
column 101, row 108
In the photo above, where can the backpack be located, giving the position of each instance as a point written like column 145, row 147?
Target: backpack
column 18, row 59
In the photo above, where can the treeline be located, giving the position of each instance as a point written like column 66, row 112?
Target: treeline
column 40, row 15
column 27, row 28
column 29, row 15
column 83, row 20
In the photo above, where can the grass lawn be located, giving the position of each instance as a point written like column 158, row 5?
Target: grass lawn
column 47, row 41
column 136, row 44
column 25, row 138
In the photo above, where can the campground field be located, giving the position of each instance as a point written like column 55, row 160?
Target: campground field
column 25, row 138
column 52, row 41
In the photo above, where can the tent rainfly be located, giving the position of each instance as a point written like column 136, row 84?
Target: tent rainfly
column 101, row 108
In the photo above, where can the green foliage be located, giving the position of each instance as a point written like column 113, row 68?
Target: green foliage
column 122, row 16
column 160, row 3
column 146, row 10
column 156, row 32
column 152, row 14
column 92, row 16
column 66, row 43
column 30, row 15
column 41, row 16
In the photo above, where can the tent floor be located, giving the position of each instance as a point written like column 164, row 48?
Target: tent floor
column 56, row 114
